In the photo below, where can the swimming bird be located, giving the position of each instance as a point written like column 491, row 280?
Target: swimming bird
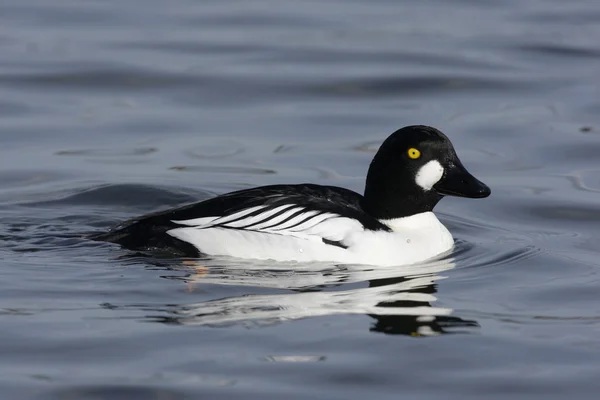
column 391, row 224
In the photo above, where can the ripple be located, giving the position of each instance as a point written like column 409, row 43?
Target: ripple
column 59, row 224
column 114, row 391
column 295, row 359
column 555, row 50
column 216, row 150
column 12, row 109
column 284, row 148
column 503, row 246
column 113, row 152
column 585, row 180
column 566, row 213
column 422, row 84
column 501, row 258
column 125, row 195
column 330, row 174
column 368, row 147
column 356, row 57
column 224, row 169
column 574, row 17
column 249, row 19
column 113, row 79
column 187, row 47
column 18, row 179
column 573, row 152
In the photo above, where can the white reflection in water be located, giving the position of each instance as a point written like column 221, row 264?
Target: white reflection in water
column 400, row 299
column 291, row 275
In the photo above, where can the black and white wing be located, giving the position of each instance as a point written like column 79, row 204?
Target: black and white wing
column 256, row 223
column 285, row 220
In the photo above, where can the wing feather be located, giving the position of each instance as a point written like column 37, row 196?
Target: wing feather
column 296, row 214
column 287, row 220
column 217, row 219
column 258, row 219
column 266, row 216
column 243, row 215
column 311, row 221
column 278, row 219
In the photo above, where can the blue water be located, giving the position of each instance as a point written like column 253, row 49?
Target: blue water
column 110, row 110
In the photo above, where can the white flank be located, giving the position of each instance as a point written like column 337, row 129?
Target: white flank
column 257, row 245
column 429, row 174
column 302, row 238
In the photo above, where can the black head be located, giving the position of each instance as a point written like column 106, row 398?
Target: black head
column 414, row 168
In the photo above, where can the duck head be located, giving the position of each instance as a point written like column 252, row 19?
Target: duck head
column 414, row 168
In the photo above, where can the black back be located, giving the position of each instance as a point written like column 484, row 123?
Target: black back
column 148, row 232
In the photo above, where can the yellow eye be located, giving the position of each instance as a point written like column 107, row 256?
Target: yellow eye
column 414, row 153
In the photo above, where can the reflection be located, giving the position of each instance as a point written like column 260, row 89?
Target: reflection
column 423, row 325
column 401, row 300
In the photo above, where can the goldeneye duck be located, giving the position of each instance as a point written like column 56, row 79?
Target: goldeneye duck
column 391, row 224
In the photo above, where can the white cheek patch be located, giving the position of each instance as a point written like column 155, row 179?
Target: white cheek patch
column 429, row 174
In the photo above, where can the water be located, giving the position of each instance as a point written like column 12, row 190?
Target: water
column 109, row 110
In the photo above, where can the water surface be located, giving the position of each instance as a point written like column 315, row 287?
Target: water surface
column 109, row 110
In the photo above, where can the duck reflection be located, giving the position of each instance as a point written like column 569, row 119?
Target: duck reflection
column 420, row 325
column 401, row 300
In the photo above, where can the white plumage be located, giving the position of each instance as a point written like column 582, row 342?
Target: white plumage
column 314, row 236
column 429, row 174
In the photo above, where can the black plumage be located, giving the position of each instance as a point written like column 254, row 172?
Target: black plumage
column 149, row 232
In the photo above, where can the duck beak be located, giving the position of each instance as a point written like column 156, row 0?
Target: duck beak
column 457, row 181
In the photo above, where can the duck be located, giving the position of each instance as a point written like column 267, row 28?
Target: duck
column 391, row 223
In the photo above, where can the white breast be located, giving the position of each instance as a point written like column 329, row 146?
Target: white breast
column 412, row 239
